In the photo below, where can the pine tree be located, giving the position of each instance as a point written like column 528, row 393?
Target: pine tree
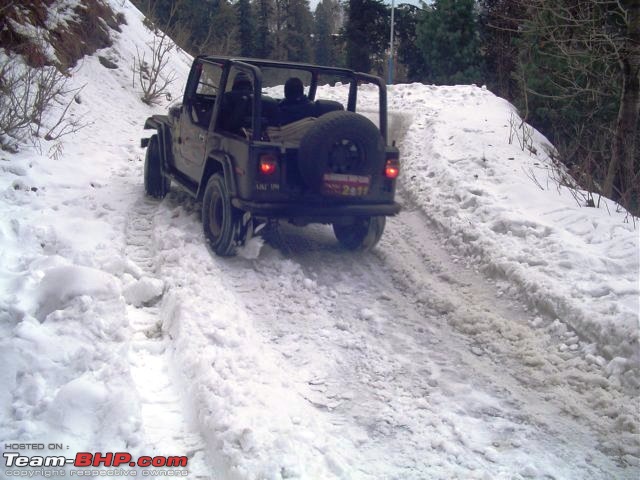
column 246, row 28
column 366, row 32
column 409, row 55
column 197, row 26
column 326, row 27
column 447, row 36
column 263, row 45
column 297, row 28
column 500, row 22
column 221, row 37
column 579, row 73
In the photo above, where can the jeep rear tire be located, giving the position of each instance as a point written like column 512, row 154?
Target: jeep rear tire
column 156, row 185
column 363, row 234
column 340, row 142
column 220, row 220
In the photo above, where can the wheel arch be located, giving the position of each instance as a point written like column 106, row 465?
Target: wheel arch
column 217, row 164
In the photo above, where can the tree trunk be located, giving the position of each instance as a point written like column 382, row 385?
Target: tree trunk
column 622, row 166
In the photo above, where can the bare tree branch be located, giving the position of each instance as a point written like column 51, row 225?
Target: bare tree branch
column 153, row 78
column 28, row 96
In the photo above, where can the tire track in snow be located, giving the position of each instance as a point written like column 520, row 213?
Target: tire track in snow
column 553, row 356
column 375, row 342
column 540, row 353
column 254, row 423
column 397, row 375
column 140, row 247
column 165, row 426
column 400, row 371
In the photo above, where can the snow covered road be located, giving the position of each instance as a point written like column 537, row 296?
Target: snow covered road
column 491, row 335
column 411, row 364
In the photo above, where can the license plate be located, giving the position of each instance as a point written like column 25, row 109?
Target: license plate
column 345, row 185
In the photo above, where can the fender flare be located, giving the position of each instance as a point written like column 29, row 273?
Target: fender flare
column 217, row 163
column 159, row 124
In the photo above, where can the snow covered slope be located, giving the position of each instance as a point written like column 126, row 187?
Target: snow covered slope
column 492, row 334
column 504, row 206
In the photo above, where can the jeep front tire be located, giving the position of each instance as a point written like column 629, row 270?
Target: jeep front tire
column 156, row 185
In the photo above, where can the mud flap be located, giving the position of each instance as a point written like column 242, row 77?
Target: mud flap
column 244, row 229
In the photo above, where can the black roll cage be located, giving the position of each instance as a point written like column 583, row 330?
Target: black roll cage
column 252, row 67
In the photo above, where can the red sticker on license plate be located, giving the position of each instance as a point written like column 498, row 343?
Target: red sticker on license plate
column 345, row 185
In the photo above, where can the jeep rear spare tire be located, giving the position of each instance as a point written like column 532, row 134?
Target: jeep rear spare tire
column 343, row 143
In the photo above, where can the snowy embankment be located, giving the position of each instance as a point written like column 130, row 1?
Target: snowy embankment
column 121, row 332
column 503, row 205
column 67, row 281
column 491, row 186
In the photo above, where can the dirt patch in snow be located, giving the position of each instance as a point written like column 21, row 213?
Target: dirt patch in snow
column 59, row 33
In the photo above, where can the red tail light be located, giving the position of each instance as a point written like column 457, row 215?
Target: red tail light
column 392, row 168
column 268, row 164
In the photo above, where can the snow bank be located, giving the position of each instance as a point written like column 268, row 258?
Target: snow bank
column 64, row 278
column 63, row 338
column 503, row 207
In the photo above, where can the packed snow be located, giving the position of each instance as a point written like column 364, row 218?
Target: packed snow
column 492, row 334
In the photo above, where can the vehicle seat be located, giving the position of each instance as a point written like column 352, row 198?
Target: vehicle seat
column 326, row 106
column 236, row 111
column 293, row 112
column 270, row 112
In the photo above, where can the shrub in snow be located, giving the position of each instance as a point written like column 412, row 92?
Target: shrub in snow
column 33, row 101
column 152, row 77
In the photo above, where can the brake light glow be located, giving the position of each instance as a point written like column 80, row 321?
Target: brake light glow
column 392, row 168
column 268, row 164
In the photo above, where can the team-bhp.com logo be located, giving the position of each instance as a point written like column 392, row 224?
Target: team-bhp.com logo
column 99, row 459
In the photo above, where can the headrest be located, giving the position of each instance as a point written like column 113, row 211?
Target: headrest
column 242, row 82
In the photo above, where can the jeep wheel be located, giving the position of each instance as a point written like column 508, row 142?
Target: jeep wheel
column 363, row 234
column 155, row 183
column 220, row 220
column 340, row 142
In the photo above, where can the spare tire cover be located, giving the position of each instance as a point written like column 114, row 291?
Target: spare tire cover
column 340, row 142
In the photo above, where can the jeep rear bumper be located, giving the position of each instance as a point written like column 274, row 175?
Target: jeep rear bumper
column 312, row 211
